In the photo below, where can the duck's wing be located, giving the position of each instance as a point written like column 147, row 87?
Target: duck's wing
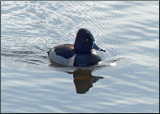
column 65, row 50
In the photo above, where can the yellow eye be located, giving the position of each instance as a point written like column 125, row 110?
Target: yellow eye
column 87, row 39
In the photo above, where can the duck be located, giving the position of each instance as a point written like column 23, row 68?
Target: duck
column 81, row 53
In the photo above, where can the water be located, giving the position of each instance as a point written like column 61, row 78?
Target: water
column 127, row 79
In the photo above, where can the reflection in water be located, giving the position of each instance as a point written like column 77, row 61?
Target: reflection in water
column 84, row 80
column 82, row 77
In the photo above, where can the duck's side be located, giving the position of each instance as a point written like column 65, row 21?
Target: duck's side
column 63, row 54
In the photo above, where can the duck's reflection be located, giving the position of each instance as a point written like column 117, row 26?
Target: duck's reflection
column 82, row 78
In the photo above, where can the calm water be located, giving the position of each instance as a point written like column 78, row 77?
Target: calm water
column 127, row 80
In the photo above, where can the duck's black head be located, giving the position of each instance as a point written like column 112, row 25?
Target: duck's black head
column 85, row 42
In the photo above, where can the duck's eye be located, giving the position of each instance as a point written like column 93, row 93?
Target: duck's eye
column 87, row 39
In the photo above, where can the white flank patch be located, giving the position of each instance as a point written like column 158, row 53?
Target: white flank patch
column 93, row 51
column 61, row 60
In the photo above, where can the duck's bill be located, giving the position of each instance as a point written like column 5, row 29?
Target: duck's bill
column 97, row 48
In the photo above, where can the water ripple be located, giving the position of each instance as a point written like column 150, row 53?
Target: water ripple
column 125, row 81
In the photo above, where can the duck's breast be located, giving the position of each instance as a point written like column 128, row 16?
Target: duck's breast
column 86, row 59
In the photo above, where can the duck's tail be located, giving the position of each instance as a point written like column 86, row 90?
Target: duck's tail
column 48, row 52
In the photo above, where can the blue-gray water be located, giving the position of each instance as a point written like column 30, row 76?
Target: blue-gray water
column 127, row 79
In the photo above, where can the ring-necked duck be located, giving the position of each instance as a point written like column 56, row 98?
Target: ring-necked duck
column 78, row 54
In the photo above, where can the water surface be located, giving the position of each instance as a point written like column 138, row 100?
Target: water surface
column 127, row 79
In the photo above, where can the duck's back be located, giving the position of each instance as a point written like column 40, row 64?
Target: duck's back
column 65, row 50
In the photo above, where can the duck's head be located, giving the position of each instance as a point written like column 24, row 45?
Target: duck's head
column 85, row 42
